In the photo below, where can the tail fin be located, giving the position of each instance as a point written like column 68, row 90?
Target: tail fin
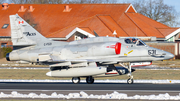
column 23, row 35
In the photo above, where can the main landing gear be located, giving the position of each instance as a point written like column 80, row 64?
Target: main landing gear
column 89, row 80
column 76, row 80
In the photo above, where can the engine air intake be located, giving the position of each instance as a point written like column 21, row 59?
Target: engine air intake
column 118, row 48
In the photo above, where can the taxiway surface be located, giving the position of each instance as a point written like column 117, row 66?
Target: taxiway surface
column 96, row 88
column 84, row 86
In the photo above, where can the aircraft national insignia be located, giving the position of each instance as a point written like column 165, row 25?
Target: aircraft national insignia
column 21, row 22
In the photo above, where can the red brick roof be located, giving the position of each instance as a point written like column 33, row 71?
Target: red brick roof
column 103, row 18
column 166, row 31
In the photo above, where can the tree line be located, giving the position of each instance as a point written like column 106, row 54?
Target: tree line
column 61, row 1
column 154, row 9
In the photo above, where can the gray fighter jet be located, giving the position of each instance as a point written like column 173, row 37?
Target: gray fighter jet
column 88, row 58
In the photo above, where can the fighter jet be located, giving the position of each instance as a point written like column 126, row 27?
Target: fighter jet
column 86, row 58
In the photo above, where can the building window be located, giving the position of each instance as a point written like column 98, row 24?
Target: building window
column 171, row 39
column 5, row 26
column 3, row 45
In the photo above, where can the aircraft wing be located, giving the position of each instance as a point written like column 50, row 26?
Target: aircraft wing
column 77, row 62
column 54, row 61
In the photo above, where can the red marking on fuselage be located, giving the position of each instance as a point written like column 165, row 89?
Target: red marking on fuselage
column 111, row 73
column 141, row 65
column 112, row 46
column 117, row 47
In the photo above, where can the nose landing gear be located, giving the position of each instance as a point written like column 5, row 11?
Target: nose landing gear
column 130, row 80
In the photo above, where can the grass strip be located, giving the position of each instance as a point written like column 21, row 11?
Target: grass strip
column 30, row 74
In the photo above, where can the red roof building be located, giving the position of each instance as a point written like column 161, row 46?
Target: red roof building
column 73, row 21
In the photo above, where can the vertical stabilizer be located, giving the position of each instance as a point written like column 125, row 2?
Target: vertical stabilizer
column 22, row 34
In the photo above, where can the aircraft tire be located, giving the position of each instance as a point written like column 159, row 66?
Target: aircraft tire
column 130, row 81
column 76, row 80
column 90, row 80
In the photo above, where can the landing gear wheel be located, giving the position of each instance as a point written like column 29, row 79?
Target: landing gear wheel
column 76, row 80
column 90, row 80
column 130, row 81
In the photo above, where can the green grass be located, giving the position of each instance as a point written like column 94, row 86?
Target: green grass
column 30, row 74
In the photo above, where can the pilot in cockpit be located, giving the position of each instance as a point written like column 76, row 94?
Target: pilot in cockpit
column 134, row 41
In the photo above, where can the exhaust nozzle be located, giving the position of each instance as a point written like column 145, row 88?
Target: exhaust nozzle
column 7, row 57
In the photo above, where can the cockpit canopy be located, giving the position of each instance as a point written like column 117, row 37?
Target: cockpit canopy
column 136, row 41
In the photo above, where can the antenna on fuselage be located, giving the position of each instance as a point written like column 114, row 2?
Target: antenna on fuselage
column 95, row 34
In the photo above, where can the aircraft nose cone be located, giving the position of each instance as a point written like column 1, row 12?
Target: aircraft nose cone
column 169, row 55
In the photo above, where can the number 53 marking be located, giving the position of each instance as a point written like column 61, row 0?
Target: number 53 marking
column 152, row 52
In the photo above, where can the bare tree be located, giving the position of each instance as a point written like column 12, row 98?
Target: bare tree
column 28, row 17
column 157, row 10
column 2, row 1
column 110, row 1
column 61, row 1
column 84, row 1
column 18, row 1
column 37, row 1
column 93, row 1
column 56, row 1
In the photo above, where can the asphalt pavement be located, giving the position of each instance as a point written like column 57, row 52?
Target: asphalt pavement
column 85, row 86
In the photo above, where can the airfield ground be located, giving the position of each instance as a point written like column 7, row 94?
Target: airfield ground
column 30, row 74
column 158, row 74
column 171, row 72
